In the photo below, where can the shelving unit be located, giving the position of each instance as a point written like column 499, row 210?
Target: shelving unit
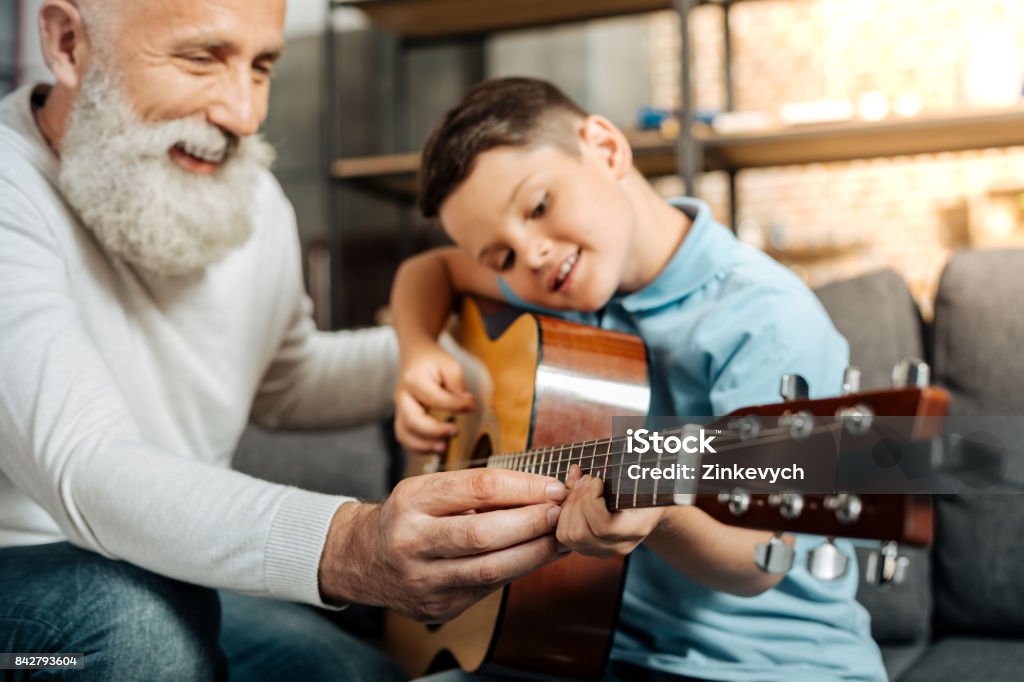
column 654, row 155
column 697, row 148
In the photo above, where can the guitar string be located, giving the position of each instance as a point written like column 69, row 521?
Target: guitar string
column 528, row 460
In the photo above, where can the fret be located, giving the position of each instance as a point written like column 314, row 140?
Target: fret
column 591, row 464
column 563, row 458
column 618, row 485
column 657, row 463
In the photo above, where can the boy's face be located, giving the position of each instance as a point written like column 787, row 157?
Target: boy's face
column 559, row 229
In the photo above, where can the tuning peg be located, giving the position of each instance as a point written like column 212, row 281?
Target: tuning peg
column 911, row 372
column 856, row 419
column 793, row 387
column 886, row 567
column 851, row 380
column 746, row 427
column 775, row 556
column 790, row 504
column 847, row 507
column 826, row 562
column 738, row 501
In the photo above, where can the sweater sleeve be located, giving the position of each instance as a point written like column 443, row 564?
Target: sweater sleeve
column 318, row 379
column 70, row 442
column 327, row 379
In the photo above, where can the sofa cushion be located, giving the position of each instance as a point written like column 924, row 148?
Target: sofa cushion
column 955, row 659
column 877, row 315
column 979, row 326
column 900, row 614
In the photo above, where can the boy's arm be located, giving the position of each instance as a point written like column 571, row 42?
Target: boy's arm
column 422, row 298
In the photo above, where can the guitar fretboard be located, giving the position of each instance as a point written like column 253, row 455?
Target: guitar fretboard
column 606, row 459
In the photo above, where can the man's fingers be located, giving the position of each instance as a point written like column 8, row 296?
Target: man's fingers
column 501, row 567
column 470, row 534
column 454, row 492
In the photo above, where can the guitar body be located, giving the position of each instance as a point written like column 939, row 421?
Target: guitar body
column 542, row 382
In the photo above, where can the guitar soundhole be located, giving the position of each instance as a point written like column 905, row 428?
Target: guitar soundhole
column 481, row 451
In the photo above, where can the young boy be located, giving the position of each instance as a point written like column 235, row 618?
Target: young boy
column 548, row 212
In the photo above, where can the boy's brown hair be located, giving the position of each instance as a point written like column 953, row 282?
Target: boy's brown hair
column 512, row 112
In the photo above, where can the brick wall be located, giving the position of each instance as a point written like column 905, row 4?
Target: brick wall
column 839, row 219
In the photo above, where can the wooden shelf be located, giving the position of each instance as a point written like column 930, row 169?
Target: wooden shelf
column 439, row 19
column 654, row 155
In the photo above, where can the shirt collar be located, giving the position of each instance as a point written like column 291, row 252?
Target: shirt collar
column 697, row 259
column 16, row 115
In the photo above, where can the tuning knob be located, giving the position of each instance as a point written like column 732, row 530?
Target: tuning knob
column 911, row 372
column 746, row 427
column 738, row 501
column 800, row 424
column 847, row 507
column 793, row 387
column 775, row 556
column 857, row 419
column 886, row 567
column 826, row 562
column 851, row 380
column 790, row 504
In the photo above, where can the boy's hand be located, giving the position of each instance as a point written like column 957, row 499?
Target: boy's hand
column 429, row 379
column 587, row 526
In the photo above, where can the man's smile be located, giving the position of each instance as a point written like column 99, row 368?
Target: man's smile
column 197, row 159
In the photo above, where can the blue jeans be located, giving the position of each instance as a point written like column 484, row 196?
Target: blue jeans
column 135, row 625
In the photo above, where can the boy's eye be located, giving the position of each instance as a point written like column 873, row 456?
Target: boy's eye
column 507, row 261
column 540, row 209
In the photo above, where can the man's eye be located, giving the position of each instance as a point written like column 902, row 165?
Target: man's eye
column 264, row 69
column 199, row 59
column 540, row 209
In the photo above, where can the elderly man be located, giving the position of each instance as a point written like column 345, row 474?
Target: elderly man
column 152, row 304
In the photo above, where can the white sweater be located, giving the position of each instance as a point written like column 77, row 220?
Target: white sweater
column 122, row 396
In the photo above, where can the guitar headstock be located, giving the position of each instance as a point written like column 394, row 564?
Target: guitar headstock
column 856, row 488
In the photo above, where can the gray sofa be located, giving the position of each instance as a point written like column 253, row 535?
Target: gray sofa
column 960, row 613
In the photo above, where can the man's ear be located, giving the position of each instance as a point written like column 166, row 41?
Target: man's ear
column 606, row 142
column 65, row 45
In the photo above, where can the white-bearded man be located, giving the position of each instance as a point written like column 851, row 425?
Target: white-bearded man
column 151, row 306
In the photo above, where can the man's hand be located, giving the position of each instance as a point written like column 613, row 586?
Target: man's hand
column 429, row 379
column 587, row 526
column 441, row 542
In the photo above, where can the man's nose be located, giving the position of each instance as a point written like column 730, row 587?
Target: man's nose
column 240, row 106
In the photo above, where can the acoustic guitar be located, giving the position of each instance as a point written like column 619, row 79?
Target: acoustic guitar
column 547, row 392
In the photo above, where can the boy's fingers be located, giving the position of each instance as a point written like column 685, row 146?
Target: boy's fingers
column 422, row 423
column 436, row 397
column 452, row 379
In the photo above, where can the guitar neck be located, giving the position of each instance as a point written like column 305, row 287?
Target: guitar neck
column 604, row 458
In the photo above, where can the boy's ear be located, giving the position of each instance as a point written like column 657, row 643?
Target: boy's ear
column 65, row 45
column 606, row 142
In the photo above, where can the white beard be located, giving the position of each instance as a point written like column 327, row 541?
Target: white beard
column 117, row 174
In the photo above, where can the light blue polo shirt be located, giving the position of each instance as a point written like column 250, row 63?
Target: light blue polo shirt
column 722, row 323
